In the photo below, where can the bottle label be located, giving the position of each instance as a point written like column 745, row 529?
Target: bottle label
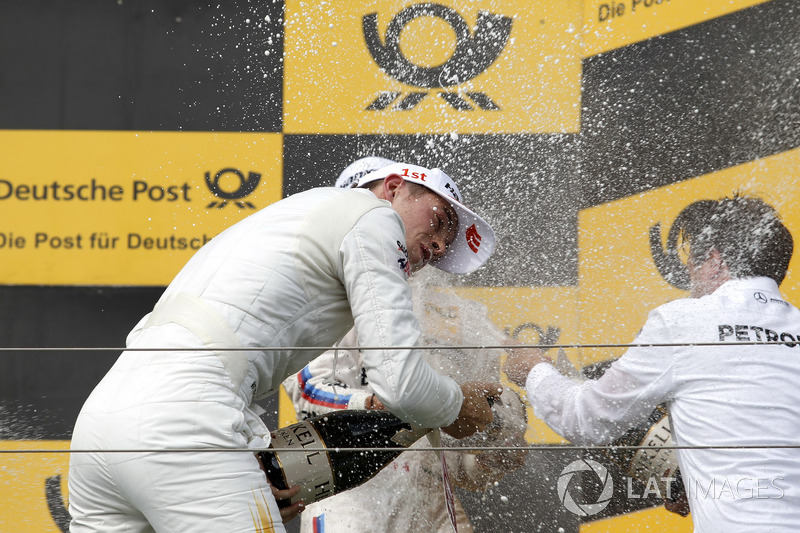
column 303, row 463
column 658, row 461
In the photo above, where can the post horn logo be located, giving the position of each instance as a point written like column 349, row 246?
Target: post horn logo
column 472, row 56
column 247, row 184
column 547, row 336
column 55, row 503
column 667, row 259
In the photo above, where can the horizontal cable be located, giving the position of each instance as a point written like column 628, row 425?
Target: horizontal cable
column 789, row 343
column 544, row 447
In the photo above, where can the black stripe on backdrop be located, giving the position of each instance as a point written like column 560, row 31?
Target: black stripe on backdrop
column 153, row 65
column 690, row 102
column 42, row 392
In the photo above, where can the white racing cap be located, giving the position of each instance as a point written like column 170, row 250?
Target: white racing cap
column 475, row 240
column 358, row 168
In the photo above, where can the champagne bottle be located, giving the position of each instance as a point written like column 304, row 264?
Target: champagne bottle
column 316, row 453
column 647, row 452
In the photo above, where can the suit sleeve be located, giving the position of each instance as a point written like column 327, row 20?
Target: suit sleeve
column 374, row 269
column 330, row 382
column 600, row 411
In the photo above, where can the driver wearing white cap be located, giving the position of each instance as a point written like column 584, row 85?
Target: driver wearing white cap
column 298, row 273
column 474, row 238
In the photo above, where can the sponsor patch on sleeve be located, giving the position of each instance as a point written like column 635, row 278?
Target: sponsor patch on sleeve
column 405, row 266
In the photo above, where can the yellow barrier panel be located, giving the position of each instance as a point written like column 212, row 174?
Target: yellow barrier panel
column 639, row 521
column 502, row 66
column 125, row 208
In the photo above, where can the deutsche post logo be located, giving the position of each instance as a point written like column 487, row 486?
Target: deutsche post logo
column 667, row 258
column 474, row 53
column 246, row 185
column 671, row 260
column 443, row 66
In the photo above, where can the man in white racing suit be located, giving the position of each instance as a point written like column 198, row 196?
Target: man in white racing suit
column 727, row 361
column 253, row 306
column 408, row 494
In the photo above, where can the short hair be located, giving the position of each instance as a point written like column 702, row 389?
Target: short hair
column 745, row 230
